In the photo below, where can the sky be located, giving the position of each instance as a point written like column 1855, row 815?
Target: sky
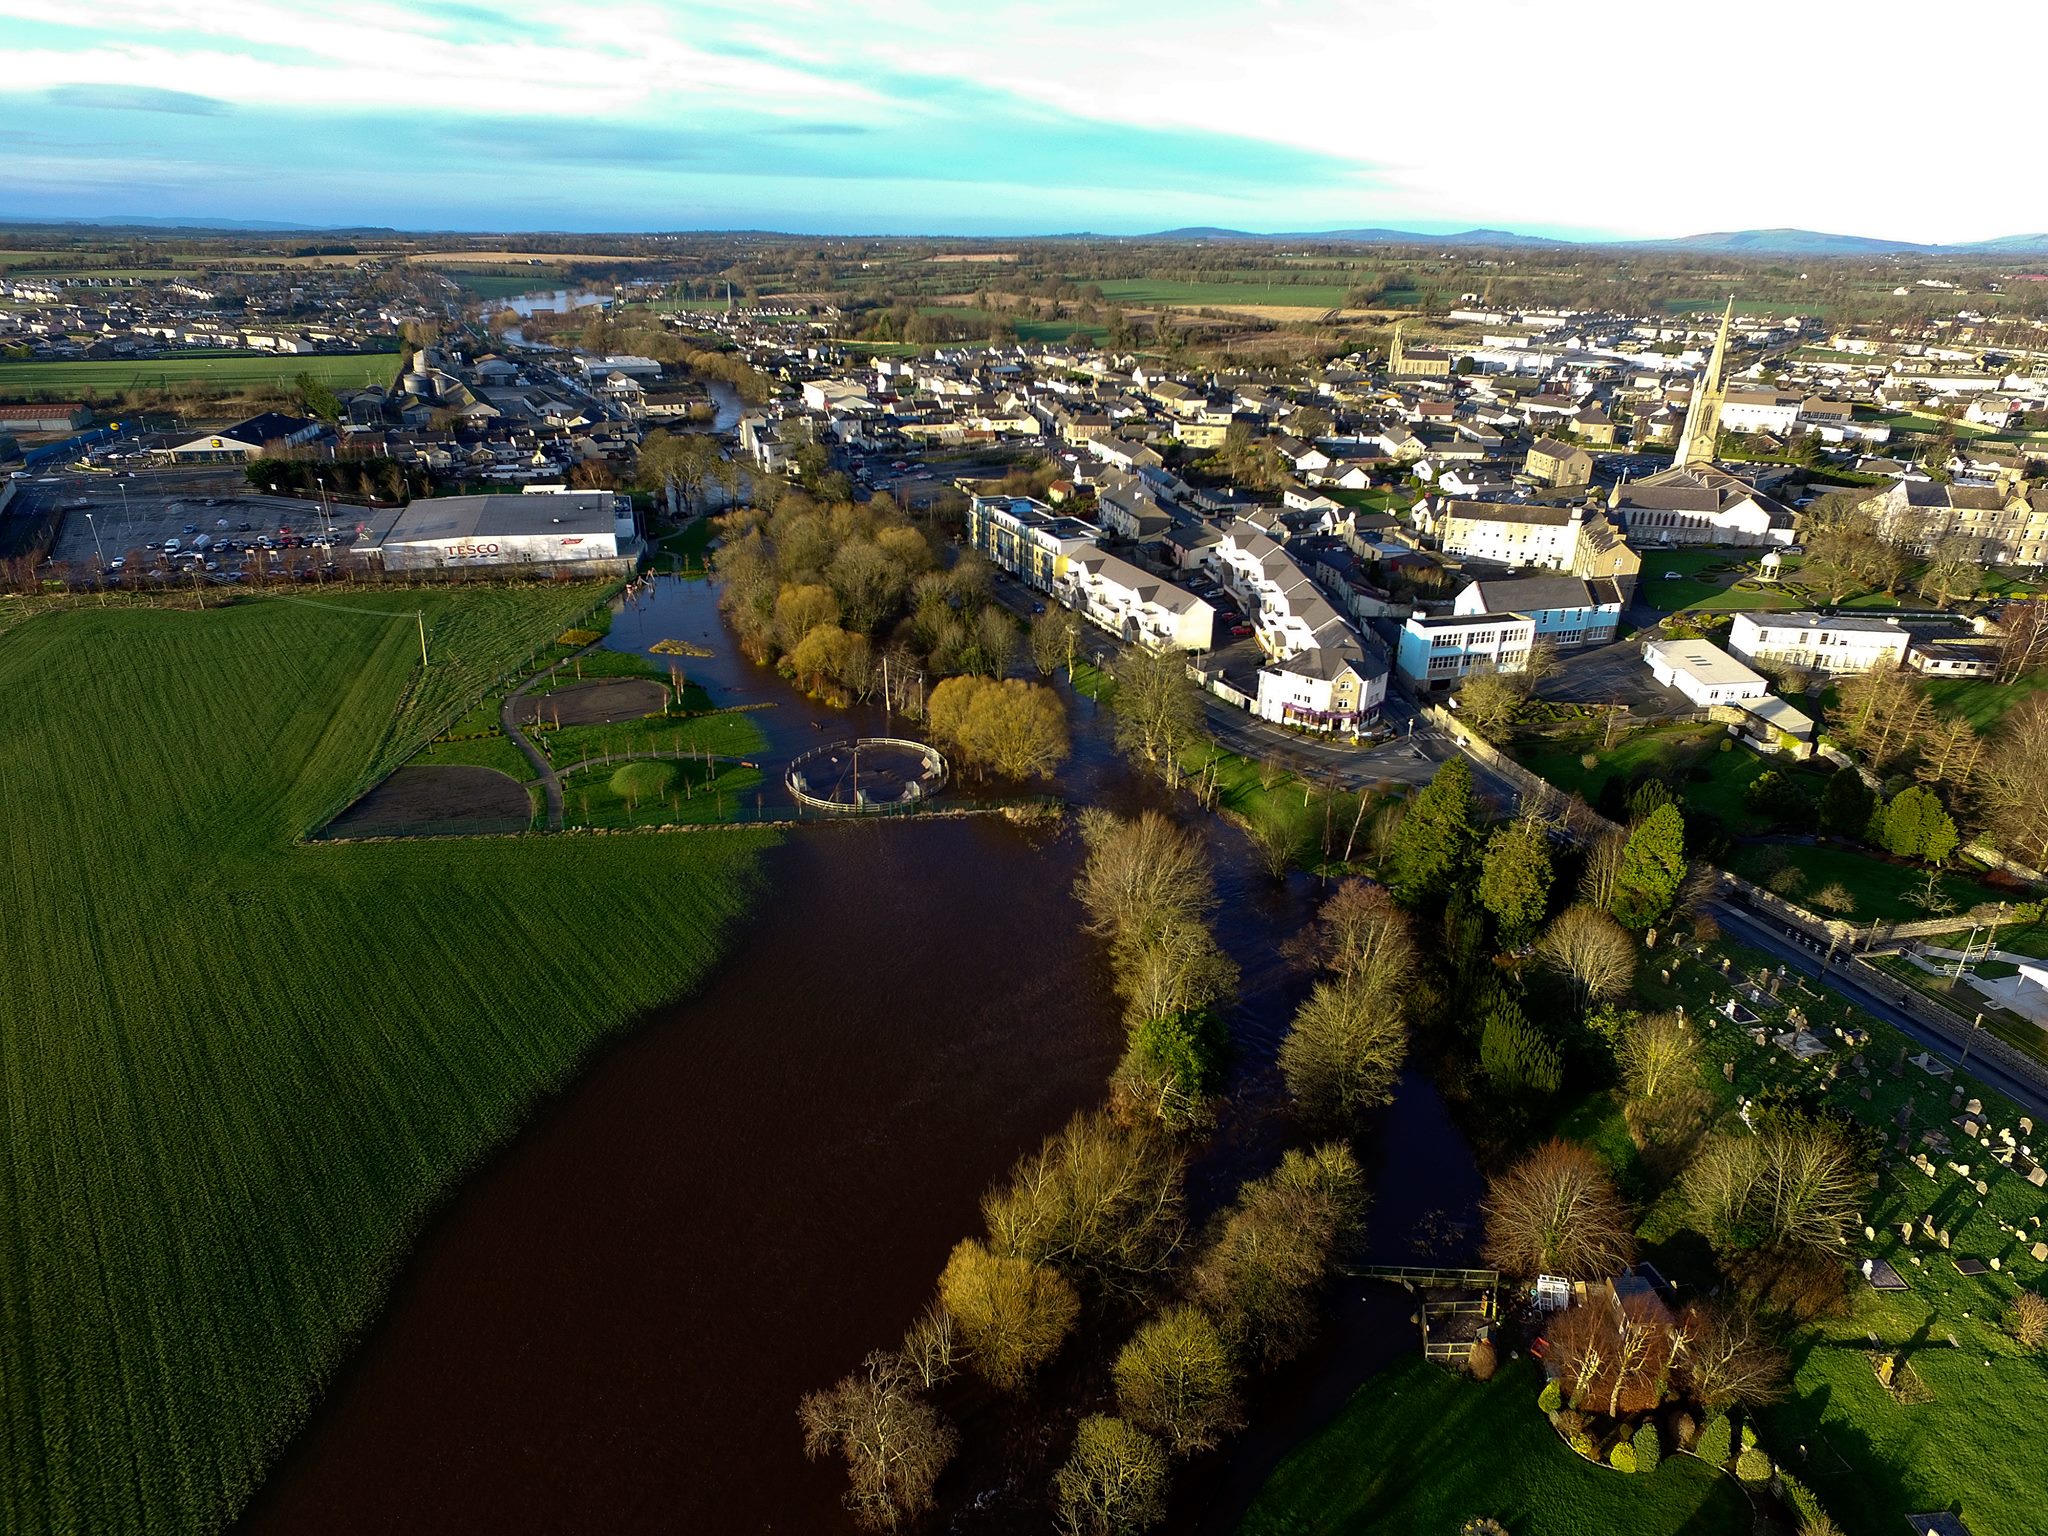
column 1009, row 117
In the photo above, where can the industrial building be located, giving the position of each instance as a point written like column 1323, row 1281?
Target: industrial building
column 543, row 529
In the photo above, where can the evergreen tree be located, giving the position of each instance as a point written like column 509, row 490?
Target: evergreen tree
column 1516, row 1056
column 1845, row 805
column 1434, row 840
column 1914, row 826
column 1514, row 880
column 1652, row 869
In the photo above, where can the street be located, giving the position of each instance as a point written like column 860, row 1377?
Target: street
column 1797, row 951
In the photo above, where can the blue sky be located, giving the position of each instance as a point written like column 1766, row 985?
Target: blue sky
column 985, row 117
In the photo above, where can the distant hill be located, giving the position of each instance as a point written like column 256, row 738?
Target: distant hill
column 144, row 221
column 1359, row 236
column 1730, row 242
column 1788, row 242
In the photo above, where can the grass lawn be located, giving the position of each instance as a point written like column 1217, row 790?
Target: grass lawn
column 1974, row 1445
column 1707, row 580
column 1666, row 752
column 724, row 733
column 1420, row 1448
column 241, row 1069
column 1879, row 886
column 1979, row 700
column 701, row 792
column 340, row 370
column 492, row 751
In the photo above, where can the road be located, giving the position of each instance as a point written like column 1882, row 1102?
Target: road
column 1797, row 951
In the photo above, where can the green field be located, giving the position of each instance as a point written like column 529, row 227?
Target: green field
column 1420, row 1448
column 1153, row 291
column 235, row 370
column 241, row 1070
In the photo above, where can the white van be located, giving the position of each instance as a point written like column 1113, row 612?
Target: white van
column 172, row 546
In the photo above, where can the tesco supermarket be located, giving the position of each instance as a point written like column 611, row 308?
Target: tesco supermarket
column 591, row 532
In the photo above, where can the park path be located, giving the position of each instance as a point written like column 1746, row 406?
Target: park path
column 550, row 780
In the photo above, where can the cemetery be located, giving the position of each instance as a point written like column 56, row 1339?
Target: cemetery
column 1915, row 1396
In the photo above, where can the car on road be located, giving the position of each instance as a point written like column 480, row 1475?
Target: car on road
column 1673, row 576
column 1241, row 630
column 117, row 563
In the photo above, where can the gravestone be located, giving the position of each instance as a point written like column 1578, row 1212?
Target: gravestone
column 1983, row 1188
column 1974, row 1107
column 2040, row 1253
column 2038, row 1177
column 2026, row 1125
column 1955, row 1100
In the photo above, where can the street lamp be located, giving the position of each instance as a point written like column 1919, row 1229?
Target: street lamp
column 90, row 523
column 1975, row 929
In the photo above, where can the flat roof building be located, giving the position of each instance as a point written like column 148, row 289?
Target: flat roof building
column 549, row 528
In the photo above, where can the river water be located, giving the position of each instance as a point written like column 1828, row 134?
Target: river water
column 610, row 1326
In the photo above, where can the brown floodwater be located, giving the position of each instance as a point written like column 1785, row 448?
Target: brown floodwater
column 610, row 1326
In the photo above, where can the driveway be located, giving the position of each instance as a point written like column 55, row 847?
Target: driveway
column 1612, row 674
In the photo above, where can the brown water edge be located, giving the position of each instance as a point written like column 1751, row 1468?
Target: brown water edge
column 609, row 1328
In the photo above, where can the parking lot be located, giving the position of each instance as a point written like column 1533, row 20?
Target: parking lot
column 104, row 523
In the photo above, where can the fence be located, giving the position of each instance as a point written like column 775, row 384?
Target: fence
column 1580, row 821
column 934, row 779
column 1426, row 1277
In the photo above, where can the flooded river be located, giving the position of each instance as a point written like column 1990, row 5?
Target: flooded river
column 610, row 1326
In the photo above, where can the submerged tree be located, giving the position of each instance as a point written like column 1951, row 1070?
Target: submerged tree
column 895, row 1444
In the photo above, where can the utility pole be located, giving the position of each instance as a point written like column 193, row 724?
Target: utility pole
column 421, row 615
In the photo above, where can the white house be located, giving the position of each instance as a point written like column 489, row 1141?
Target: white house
column 1438, row 650
column 1703, row 672
column 1133, row 604
column 1760, row 410
column 1319, row 672
column 1826, row 643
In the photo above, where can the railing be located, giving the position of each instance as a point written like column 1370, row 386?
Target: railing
column 1425, row 1277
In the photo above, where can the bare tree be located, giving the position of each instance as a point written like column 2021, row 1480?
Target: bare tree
column 1096, row 1200
column 1114, row 1481
column 2012, row 785
column 1592, row 950
column 930, row 1348
column 1658, row 1056
column 1727, row 1359
column 1789, row 1186
column 895, row 1444
column 1365, row 932
column 1603, row 870
column 1616, row 1352
column 1557, row 1212
column 1273, row 1247
column 1346, row 1046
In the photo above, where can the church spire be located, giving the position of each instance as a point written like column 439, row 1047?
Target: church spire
column 1702, row 433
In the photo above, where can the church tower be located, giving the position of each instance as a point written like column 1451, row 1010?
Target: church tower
column 1702, row 433
column 1394, row 358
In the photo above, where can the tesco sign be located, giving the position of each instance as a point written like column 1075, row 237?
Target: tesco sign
column 471, row 551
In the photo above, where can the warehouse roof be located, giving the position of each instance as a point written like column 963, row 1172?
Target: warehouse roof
column 470, row 517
